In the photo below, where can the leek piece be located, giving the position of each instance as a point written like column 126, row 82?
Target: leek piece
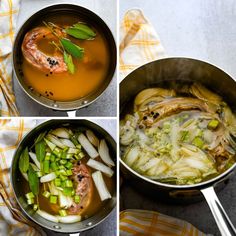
column 54, row 166
column 46, row 166
column 46, row 194
column 77, row 198
column 68, row 165
column 53, row 199
column 67, row 191
column 30, row 201
column 198, row 142
column 57, row 182
column 62, row 213
column 29, row 195
column 35, row 207
column 69, row 172
column 48, row 156
column 213, row 124
column 69, row 183
column 63, row 162
column 51, row 145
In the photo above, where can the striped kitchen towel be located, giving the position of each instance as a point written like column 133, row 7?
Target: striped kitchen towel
column 139, row 42
column 149, row 223
column 8, row 15
column 12, row 221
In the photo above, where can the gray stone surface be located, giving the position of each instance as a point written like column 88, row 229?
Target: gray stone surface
column 107, row 12
column 202, row 29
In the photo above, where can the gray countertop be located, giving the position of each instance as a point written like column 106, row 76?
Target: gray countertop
column 199, row 29
column 107, row 12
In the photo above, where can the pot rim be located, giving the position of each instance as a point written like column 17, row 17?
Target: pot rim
column 22, row 208
column 200, row 185
column 84, row 100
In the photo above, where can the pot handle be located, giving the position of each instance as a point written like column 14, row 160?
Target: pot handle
column 222, row 220
column 71, row 114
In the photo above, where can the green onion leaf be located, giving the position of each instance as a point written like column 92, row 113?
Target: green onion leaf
column 33, row 181
column 24, row 161
column 86, row 29
column 72, row 48
column 69, row 62
column 40, row 150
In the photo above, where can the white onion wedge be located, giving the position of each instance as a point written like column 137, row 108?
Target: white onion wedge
column 88, row 147
column 101, row 185
column 104, row 153
column 35, row 168
column 48, row 216
column 65, row 201
column 61, row 133
column 55, row 140
column 101, row 167
column 69, row 219
column 48, row 177
column 92, row 138
column 34, row 159
column 67, row 142
column 51, row 145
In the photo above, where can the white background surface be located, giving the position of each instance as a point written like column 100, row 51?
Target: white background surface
column 106, row 9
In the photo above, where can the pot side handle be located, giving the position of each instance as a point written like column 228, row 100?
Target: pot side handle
column 222, row 220
column 71, row 114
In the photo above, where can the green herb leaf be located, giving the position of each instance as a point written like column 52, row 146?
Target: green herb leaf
column 69, row 63
column 76, row 33
column 40, row 137
column 72, row 48
column 33, row 181
column 86, row 29
column 24, row 161
column 40, row 150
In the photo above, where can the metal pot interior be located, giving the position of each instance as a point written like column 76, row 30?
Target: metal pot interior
column 17, row 186
column 57, row 10
column 168, row 73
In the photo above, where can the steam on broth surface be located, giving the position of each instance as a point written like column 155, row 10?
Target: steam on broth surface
column 67, row 174
column 182, row 136
column 90, row 69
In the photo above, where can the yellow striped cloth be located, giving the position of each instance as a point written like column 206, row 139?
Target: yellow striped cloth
column 8, row 15
column 11, row 133
column 149, row 223
column 139, row 42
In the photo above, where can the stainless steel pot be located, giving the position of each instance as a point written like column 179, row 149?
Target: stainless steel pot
column 180, row 71
column 89, row 17
column 18, row 190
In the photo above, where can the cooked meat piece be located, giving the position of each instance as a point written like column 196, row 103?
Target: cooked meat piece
column 84, row 188
column 36, row 57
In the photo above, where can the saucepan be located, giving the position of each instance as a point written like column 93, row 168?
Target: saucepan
column 181, row 71
column 17, row 185
column 87, row 16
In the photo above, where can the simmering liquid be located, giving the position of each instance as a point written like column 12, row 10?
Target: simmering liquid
column 90, row 71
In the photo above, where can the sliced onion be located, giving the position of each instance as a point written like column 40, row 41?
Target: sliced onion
column 69, row 219
column 104, row 153
column 88, row 147
column 35, row 168
column 100, row 166
column 48, row 177
column 101, row 185
column 55, row 140
column 34, row 159
column 61, row 132
column 92, row 138
column 67, row 142
column 48, row 216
